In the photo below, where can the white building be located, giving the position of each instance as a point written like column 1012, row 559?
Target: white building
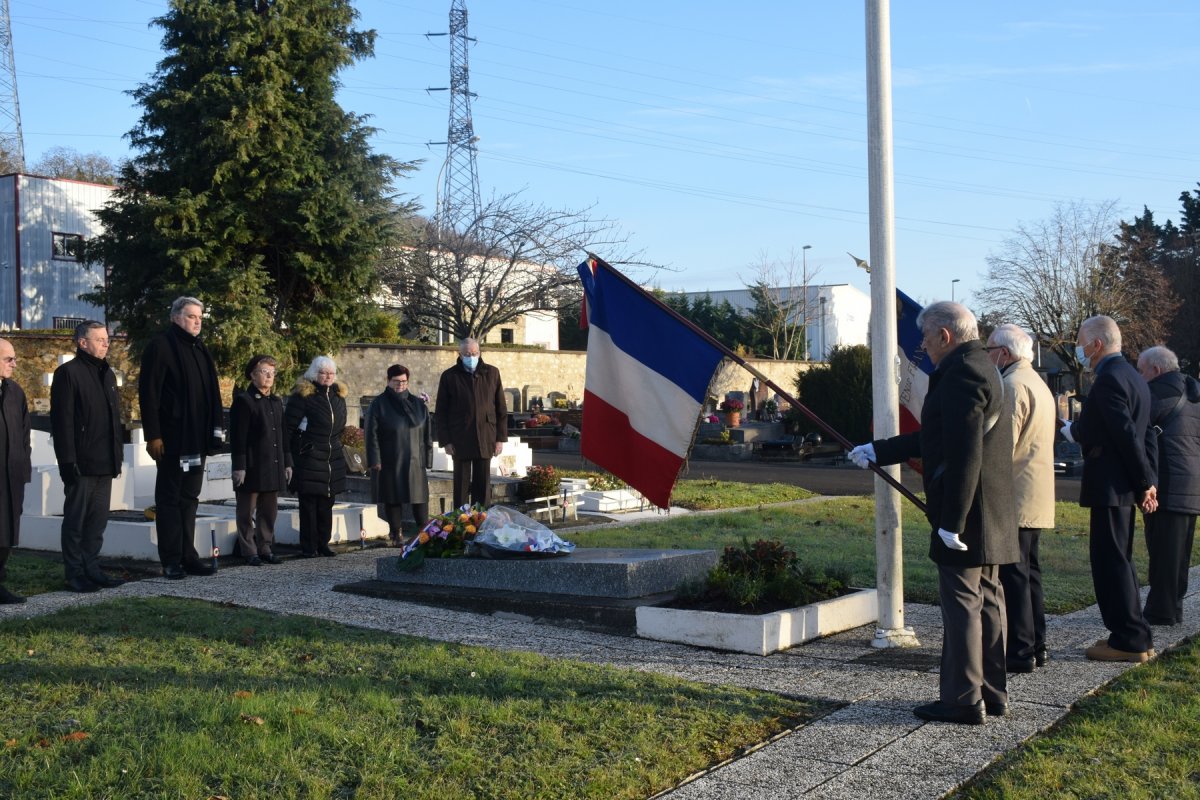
column 43, row 224
column 838, row 313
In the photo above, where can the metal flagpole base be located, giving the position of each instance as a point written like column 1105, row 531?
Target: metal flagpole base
column 895, row 637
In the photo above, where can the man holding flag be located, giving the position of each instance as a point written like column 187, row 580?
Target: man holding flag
column 965, row 442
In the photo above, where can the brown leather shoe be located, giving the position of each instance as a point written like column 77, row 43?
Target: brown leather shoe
column 1102, row 651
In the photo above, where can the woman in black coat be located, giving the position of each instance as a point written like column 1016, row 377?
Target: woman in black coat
column 316, row 417
column 399, row 450
column 262, row 461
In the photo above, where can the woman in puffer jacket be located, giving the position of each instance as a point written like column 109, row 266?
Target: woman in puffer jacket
column 315, row 418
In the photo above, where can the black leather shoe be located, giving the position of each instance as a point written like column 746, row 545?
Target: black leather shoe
column 174, row 572
column 996, row 709
column 307, row 554
column 271, row 558
column 945, row 712
column 325, row 551
column 81, row 585
column 198, row 568
column 8, row 598
column 1041, row 657
column 105, row 581
column 254, row 561
column 1020, row 664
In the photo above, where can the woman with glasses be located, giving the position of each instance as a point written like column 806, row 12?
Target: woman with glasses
column 399, row 450
column 315, row 418
column 262, row 461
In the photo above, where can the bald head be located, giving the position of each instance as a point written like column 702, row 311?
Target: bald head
column 8, row 358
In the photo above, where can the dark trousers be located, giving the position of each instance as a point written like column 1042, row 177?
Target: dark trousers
column 973, row 665
column 256, row 513
column 1169, row 537
column 316, row 522
column 1023, row 604
column 474, row 473
column 1114, row 579
column 176, row 494
column 85, row 516
column 4, row 551
column 394, row 512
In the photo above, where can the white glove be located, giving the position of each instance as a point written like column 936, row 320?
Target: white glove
column 862, row 454
column 951, row 540
column 287, row 474
column 1066, row 431
column 239, row 477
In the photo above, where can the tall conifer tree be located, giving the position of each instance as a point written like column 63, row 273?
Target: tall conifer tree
column 252, row 189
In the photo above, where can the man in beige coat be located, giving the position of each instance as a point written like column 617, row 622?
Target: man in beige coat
column 1033, row 421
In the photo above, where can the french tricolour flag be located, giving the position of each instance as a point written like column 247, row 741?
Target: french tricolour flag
column 915, row 366
column 647, row 379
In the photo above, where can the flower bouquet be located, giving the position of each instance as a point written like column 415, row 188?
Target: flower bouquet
column 444, row 536
column 732, row 404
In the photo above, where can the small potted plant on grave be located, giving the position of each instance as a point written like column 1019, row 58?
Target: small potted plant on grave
column 733, row 411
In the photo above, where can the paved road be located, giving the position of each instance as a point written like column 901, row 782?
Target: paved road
column 823, row 479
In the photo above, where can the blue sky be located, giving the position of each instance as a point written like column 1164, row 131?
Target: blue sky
column 715, row 134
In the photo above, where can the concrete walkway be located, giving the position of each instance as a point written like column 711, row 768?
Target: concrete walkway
column 873, row 747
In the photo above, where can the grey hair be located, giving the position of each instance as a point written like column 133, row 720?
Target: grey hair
column 1017, row 341
column 954, row 317
column 84, row 328
column 319, row 363
column 465, row 343
column 1161, row 357
column 181, row 303
column 1103, row 328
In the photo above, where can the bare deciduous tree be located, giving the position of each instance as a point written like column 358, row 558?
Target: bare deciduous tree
column 67, row 162
column 512, row 259
column 1055, row 273
column 781, row 311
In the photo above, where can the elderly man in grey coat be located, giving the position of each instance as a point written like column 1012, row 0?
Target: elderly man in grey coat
column 1033, row 424
column 965, row 442
column 15, row 468
column 1175, row 414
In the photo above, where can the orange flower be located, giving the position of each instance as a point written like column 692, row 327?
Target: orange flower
column 470, row 529
column 448, row 529
column 464, row 517
column 423, row 537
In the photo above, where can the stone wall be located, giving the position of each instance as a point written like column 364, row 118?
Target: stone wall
column 363, row 367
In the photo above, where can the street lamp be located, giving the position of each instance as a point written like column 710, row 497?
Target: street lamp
column 952, row 289
column 804, row 274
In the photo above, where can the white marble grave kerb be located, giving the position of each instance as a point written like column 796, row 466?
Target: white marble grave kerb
column 133, row 490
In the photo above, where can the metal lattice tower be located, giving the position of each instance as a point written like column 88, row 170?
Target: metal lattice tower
column 11, row 140
column 458, row 182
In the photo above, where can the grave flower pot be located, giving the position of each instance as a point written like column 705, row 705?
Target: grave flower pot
column 733, row 418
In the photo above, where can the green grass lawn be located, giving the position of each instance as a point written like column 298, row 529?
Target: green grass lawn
column 840, row 534
column 1136, row 738
column 177, row 698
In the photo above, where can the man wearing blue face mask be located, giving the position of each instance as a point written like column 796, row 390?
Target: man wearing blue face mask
column 1119, row 453
column 471, row 419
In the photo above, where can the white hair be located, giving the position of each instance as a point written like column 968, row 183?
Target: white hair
column 181, row 303
column 1018, row 342
column 1103, row 328
column 319, row 363
column 954, row 317
column 466, row 343
column 1160, row 357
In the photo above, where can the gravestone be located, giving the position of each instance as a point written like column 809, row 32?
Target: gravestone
column 529, row 392
column 553, row 401
column 513, row 398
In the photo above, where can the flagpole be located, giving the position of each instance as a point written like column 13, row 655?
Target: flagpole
column 894, row 481
column 889, row 552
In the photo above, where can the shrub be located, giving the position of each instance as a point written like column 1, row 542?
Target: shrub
column 539, row 482
column 765, row 573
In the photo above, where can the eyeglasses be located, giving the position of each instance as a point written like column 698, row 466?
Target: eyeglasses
column 398, row 380
column 326, row 372
column 266, row 373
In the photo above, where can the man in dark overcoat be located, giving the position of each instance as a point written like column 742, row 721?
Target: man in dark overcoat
column 472, row 422
column 1175, row 415
column 965, row 443
column 1113, row 430
column 399, row 451
column 85, row 418
column 182, row 419
column 15, row 467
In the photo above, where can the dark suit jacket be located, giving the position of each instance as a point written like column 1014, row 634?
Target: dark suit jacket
column 967, row 472
column 85, row 416
column 15, row 471
column 1113, row 430
column 471, row 411
column 258, row 440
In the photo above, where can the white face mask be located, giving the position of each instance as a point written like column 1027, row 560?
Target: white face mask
column 1084, row 361
column 470, row 362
